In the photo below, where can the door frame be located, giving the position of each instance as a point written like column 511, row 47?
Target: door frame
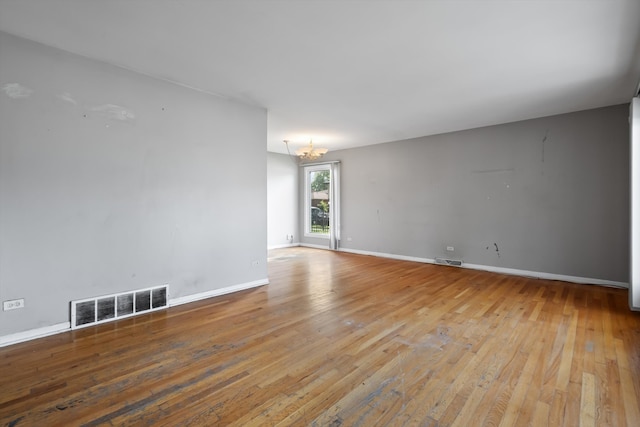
column 334, row 201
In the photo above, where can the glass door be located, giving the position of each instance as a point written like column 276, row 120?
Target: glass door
column 321, row 202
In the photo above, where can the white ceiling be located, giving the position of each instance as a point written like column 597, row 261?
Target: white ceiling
column 353, row 73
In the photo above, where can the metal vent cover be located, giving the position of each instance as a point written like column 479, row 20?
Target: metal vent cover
column 446, row 261
column 106, row 308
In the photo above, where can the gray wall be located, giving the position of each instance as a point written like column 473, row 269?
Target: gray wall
column 551, row 194
column 282, row 200
column 112, row 181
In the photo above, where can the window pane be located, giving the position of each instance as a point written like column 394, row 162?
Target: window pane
column 318, row 191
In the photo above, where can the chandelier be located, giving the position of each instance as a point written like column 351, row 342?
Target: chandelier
column 309, row 152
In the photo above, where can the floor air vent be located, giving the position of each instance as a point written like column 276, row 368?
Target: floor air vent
column 445, row 261
column 93, row 311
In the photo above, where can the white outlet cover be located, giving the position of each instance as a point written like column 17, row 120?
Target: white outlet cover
column 13, row 304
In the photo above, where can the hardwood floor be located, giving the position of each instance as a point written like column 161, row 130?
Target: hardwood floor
column 342, row 339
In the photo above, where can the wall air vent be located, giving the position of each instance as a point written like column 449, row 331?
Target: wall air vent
column 102, row 309
column 446, row 261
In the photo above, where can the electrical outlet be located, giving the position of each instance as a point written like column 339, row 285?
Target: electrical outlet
column 13, row 304
column 450, row 249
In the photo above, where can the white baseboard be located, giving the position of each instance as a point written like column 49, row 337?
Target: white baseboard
column 392, row 256
column 309, row 245
column 288, row 245
column 502, row 270
column 549, row 276
column 217, row 292
column 34, row 333
column 64, row 327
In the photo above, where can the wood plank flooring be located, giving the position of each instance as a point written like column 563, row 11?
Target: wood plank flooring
column 342, row 339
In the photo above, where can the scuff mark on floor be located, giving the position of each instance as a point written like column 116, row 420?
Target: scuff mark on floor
column 352, row 323
column 15, row 422
column 375, row 393
column 437, row 341
column 402, row 393
column 589, row 346
column 62, row 406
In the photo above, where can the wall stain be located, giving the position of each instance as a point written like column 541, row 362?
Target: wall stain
column 497, row 249
column 544, row 140
column 66, row 97
column 108, row 111
column 16, row 90
column 114, row 112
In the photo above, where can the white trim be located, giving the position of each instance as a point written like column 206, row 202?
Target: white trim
column 334, row 212
column 32, row 334
column 308, row 168
column 317, row 235
column 287, row 245
column 328, row 162
column 392, row 256
column 309, row 245
column 66, row 326
column 501, row 270
column 548, row 276
column 217, row 292
column 634, row 183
